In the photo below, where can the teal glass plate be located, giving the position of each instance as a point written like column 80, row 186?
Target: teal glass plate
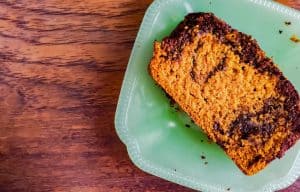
column 156, row 135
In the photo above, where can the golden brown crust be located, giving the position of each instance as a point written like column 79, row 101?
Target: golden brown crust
column 224, row 81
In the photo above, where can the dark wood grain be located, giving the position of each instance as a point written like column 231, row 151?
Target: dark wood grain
column 62, row 65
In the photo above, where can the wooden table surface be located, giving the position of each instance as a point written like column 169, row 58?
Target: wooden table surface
column 62, row 65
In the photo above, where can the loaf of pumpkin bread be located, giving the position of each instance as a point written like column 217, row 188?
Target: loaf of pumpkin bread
column 223, row 80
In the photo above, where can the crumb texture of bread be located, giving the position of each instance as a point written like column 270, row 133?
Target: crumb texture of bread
column 222, row 79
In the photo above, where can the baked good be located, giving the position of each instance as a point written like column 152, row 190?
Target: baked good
column 223, row 80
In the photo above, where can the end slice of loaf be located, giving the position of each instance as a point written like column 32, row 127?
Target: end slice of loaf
column 226, row 84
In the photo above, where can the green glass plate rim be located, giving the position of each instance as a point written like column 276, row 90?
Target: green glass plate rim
column 124, row 102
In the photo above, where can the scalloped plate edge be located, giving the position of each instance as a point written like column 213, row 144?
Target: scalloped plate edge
column 132, row 145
